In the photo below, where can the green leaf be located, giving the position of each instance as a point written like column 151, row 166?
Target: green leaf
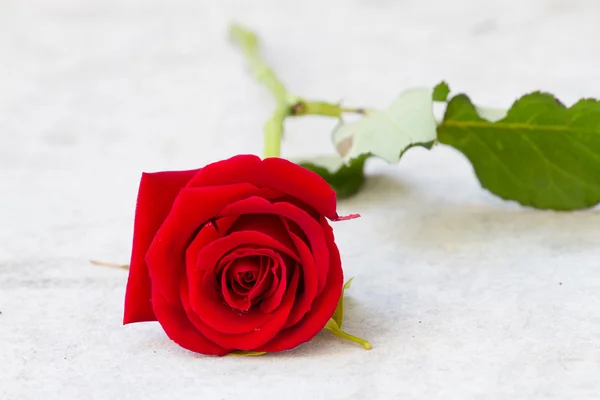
column 338, row 314
column 441, row 91
column 387, row 134
column 345, row 179
column 542, row 154
column 334, row 325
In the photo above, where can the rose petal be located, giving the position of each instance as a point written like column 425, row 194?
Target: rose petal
column 322, row 308
column 191, row 209
column 312, row 229
column 272, row 226
column 267, row 223
column 267, row 281
column 300, row 204
column 301, row 183
column 241, row 288
column 179, row 329
column 248, row 340
column 304, row 300
column 237, row 169
column 207, row 234
column 246, row 265
column 274, row 173
column 233, row 299
column 156, row 195
column 272, row 282
column 264, row 280
column 205, row 297
column 272, row 300
column 249, row 243
column 292, row 227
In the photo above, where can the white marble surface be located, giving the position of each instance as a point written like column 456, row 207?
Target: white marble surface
column 463, row 296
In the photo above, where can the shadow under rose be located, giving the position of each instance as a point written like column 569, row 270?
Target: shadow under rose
column 358, row 322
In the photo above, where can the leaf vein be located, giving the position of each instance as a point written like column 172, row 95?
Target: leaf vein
column 499, row 160
column 555, row 166
column 517, row 126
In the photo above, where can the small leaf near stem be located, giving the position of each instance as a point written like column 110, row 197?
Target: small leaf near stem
column 334, row 325
column 409, row 121
column 441, row 92
column 287, row 103
column 345, row 178
column 338, row 314
column 333, row 328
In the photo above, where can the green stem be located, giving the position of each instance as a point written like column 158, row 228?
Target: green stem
column 274, row 131
column 287, row 103
column 364, row 343
column 248, row 43
column 333, row 327
column 304, row 107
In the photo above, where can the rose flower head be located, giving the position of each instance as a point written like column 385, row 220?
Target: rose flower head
column 235, row 256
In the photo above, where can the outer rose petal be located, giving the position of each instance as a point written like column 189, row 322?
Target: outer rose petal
column 301, row 183
column 156, row 195
column 192, row 208
column 275, row 173
column 179, row 329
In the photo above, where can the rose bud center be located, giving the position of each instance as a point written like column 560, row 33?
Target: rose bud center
column 254, row 280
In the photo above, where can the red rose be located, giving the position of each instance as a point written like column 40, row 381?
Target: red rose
column 237, row 255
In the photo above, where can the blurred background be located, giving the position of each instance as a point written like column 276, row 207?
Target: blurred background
column 93, row 93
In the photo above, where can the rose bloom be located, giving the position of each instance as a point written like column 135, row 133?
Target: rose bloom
column 237, row 255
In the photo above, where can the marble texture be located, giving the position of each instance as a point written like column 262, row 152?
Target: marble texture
column 463, row 296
